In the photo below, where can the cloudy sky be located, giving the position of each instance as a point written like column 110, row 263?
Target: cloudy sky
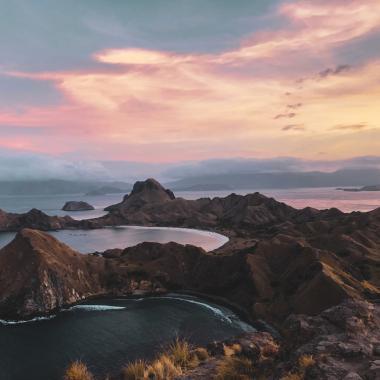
column 175, row 80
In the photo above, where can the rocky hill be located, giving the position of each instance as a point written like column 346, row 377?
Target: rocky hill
column 39, row 274
column 35, row 219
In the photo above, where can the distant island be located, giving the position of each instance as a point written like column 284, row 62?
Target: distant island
column 59, row 186
column 77, row 206
column 364, row 188
column 104, row 190
column 275, row 180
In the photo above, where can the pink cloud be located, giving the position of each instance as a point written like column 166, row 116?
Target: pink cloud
column 152, row 103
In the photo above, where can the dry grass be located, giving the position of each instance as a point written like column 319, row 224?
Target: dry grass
column 201, row 354
column 181, row 354
column 168, row 365
column 134, row 370
column 78, row 371
column 163, row 368
column 305, row 361
column 292, row 376
column 235, row 368
column 232, row 350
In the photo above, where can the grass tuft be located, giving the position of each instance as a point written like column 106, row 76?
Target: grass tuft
column 134, row 370
column 305, row 361
column 163, row 368
column 201, row 354
column 78, row 371
column 235, row 368
column 293, row 376
column 180, row 352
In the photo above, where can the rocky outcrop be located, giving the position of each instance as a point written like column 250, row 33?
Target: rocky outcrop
column 343, row 342
column 77, row 206
column 149, row 192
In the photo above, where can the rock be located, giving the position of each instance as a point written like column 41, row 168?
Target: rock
column 77, row 206
column 353, row 376
column 376, row 349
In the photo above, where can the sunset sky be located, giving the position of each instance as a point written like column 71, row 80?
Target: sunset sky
column 176, row 80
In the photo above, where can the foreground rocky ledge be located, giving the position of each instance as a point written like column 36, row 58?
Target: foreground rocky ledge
column 343, row 342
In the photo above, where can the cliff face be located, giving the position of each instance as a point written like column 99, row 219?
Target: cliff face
column 39, row 274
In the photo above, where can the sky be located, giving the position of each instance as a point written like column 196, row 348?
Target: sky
column 171, row 81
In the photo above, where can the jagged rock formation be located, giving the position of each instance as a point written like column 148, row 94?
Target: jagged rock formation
column 77, row 206
column 143, row 193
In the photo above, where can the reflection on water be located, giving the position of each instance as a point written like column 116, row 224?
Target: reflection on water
column 86, row 241
column 108, row 333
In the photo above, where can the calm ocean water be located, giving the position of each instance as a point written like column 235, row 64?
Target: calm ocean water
column 87, row 241
column 107, row 334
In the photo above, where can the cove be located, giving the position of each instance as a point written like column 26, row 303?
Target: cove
column 86, row 241
column 107, row 333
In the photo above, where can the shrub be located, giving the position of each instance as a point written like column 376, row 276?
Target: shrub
column 78, row 371
column 134, row 370
column 235, row 368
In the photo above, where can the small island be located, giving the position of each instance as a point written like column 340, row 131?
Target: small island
column 77, row 206
column 364, row 188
